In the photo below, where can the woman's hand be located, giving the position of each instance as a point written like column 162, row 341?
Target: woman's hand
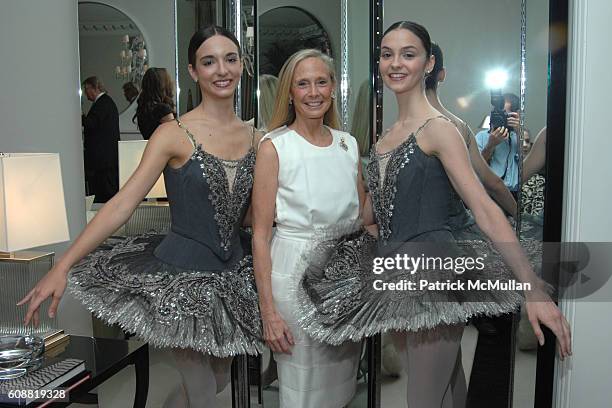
column 547, row 312
column 277, row 334
column 53, row 285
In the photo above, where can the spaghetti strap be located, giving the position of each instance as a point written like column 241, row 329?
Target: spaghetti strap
column 253, row 136
column 427, row 123
column 188, row 133
column 416, row 132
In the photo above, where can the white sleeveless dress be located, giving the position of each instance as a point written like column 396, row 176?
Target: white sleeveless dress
column 317, row 187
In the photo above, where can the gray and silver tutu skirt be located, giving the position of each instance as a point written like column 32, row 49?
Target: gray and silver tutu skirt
column 341, row 298
column 213, row 312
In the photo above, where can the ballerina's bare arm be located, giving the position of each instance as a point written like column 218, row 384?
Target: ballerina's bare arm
column 442, row 139
column 493, row 184
column 160, row 149
column 247, row 221
column 276, row 332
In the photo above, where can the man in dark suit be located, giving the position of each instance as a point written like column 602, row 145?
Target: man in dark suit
column 101, row 140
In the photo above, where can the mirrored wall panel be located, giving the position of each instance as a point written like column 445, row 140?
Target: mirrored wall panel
column 479, row 85
column 112, row 48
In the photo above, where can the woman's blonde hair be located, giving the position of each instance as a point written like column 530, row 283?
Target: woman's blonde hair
column 267, row 96
column 360, row 128
column 284, row 114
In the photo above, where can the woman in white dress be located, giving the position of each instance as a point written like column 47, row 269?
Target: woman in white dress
column 307, row 178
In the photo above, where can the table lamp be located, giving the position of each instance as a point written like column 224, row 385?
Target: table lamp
column 32, row 214
column 151, row 215
column 130, row 153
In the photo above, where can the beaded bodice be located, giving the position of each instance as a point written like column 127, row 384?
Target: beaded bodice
column 411, row 193
column 208, row 198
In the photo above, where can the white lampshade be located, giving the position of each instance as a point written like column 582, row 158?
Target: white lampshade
column 130, row 153
column 32, row 209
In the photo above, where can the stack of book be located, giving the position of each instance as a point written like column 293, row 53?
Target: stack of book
column 55, row 342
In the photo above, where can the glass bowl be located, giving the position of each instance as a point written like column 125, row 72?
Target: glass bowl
column 20, row 354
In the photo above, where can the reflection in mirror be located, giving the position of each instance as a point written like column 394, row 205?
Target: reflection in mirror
column 111, row 47
column 461, row 93
column 190, row 16
column 284, row 27
column 248, row 93
column 285, row 30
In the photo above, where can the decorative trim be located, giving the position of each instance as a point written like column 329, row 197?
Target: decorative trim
column 236, row 12
column 302, row 33
column 376, row 32
column 520, row 134
column 344, row 71
column 177, row 89
column 376, row 104
column 102, row 28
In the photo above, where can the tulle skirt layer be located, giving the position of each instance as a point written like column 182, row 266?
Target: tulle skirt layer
column 346, row 295
column 214, row 312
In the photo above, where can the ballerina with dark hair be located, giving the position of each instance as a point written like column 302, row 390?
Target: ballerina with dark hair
column 414, row 172
column 492, row 183
column 192, row 290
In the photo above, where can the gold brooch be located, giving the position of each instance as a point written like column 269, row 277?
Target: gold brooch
column 343, row 144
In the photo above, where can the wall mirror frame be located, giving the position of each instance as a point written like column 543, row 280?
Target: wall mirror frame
column 113, row 35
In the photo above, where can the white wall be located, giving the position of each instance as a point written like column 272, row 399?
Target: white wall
column 155, row 18
column 584, row 380
column 40, row 110
column 463, row 29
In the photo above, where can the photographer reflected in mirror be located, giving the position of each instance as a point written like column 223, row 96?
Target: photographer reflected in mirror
column 499, row 144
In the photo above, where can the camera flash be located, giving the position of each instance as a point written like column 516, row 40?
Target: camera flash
column 496, row 79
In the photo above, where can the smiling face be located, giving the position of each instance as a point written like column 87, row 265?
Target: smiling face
column 218, row 67
column 311, row 88
column 404, row 61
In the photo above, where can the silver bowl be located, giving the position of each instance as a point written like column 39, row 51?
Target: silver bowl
column 19, row 355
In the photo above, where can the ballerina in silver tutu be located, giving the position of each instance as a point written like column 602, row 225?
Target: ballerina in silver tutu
column 357, row 287
column 192, row 290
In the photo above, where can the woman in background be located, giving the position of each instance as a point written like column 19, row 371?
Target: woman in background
column 155, row 102
column 267, row 97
